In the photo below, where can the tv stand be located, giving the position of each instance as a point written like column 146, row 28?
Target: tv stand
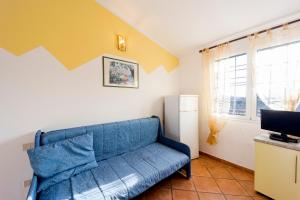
column 283, row 138
column 277, row 168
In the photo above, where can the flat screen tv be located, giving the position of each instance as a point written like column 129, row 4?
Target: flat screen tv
column 283, row 122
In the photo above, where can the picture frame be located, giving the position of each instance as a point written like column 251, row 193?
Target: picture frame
column 120, row 73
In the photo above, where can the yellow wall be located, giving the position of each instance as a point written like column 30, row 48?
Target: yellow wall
column 74, row 32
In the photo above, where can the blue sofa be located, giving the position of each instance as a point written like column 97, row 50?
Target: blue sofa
column 132, row 156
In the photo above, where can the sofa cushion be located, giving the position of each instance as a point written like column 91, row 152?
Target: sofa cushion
column 59, row 161
column 113, row 138
column 109, row 182
column 175, row 159
column 163, row 158
column 121, row 177
column 44, row 183
column 61, row 190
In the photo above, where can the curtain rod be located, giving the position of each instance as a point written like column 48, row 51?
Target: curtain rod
column 243, row 37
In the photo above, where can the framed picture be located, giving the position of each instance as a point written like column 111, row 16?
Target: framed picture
column 120, row 73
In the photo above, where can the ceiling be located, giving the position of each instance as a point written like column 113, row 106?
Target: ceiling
column 182, row 25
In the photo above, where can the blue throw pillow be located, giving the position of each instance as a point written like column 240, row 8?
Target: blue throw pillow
column 59, row 161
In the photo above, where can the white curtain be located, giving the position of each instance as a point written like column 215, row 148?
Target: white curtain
column 207, row 90
column 276, row 71
column 284, row 96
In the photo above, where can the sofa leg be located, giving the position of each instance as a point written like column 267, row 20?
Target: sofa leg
column 188, row 170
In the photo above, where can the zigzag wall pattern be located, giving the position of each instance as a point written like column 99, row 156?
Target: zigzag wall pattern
column 74, row 32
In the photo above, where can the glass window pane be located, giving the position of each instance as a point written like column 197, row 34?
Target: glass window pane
column 241, row 60
column 230, row 95
column 277, row 73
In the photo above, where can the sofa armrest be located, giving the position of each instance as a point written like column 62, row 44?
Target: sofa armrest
column 32, row 190
column 183, row 148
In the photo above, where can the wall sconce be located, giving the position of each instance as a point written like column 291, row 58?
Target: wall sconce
column 121, row 43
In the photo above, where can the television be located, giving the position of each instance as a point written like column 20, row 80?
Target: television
column 283, row 122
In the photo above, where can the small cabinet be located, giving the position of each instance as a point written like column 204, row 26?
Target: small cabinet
column 277, row 171
column 298, row 175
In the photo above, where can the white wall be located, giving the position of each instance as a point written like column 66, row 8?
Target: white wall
column 235, row 142
column 37, row 92
column 190, row 73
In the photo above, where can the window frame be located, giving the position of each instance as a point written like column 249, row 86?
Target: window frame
column 247, row 113
column 251, row 102
column 254, row 117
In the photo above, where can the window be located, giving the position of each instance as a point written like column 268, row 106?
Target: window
column 277, row 72
column 230, row 85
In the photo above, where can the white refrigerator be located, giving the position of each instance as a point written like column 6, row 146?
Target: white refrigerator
column 181, row 120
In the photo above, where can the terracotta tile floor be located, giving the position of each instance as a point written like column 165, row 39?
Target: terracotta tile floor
column 211, row 180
